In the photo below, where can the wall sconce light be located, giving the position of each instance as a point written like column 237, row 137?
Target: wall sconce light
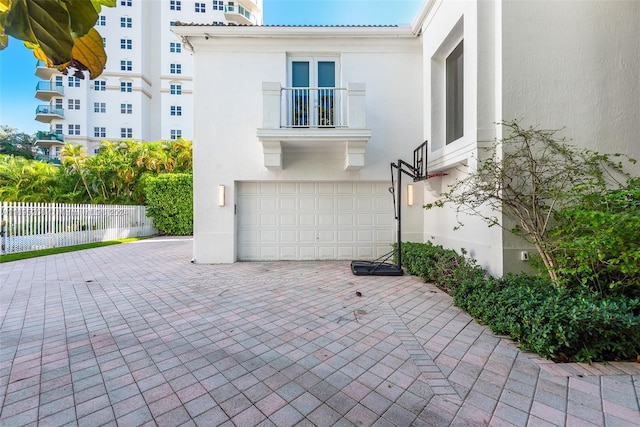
column 221, row 195
column 410, row 194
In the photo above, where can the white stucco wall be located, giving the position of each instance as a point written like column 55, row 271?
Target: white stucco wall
column 557, row 64
column 575, row 65
column 229, row 72
column 445, row 24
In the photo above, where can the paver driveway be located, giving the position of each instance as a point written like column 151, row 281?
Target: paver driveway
column 135, row 334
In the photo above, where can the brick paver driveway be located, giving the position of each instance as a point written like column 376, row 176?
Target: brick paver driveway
column 135, row 334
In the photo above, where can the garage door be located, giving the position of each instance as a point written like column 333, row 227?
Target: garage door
column 314, row 221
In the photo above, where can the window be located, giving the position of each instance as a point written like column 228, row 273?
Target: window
column 176, row 133
column 175, row 5
column 126, row 109
column 175, row 89
column 175, row 47
column 73, row 82
column 126, row 66
column 125, row 2
column 58, row 129
column 218, row 4
column 99, row 132
column 104, row 42
column 126, row 22
column 100, row 85
column 126, row 44
column 126, row 87
column 58, row 81
column 455, row 94
column 126, row 133
column 102, row 21
column 175, row 69
column 176, row 110
column 313, row 107
column 74, row 130
column 200, row 7
column 74, row 104
column 99, row 107
column 58, row 103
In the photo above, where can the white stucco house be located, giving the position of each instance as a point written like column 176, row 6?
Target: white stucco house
column 296, row 127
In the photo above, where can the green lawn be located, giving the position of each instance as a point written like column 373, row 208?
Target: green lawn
column 53, row 251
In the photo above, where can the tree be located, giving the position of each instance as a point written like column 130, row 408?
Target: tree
column 23, row 180
column 15, row 143
column 530, row 176
column 60, row 32
column 74, row 159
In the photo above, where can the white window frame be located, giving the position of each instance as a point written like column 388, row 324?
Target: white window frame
column 126, row 65
column 99, row 107
column 175, row 89
column 127, row 86
column 99, row 132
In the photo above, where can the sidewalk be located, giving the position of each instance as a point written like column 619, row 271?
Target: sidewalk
column 134, row 334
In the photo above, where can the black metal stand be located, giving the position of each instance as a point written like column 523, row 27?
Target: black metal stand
column 418, row 172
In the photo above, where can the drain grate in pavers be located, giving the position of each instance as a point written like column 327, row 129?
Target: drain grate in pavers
column 430, row 371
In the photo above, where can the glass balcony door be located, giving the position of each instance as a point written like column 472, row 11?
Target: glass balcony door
column 313, row 83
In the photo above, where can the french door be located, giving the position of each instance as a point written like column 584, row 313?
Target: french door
column 312, row 99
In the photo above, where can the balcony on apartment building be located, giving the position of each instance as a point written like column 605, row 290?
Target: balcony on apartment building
column 46, row 90
column 50, row 142
column 46, row 113
column 45, row 72
column 241, row 12
column 308, row 118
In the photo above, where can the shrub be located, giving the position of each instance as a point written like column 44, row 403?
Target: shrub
column 564, row 324
column 599, row 242
column 169, row 201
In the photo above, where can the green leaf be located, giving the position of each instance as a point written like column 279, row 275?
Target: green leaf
column 83, row 16
column 44, row 22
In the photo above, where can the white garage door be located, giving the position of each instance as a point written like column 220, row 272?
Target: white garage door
column 314, row 220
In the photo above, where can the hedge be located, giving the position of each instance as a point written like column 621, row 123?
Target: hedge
column 169, row 201
column 563, row 324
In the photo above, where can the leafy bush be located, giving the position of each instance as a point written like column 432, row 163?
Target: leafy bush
column 599, row 241
column 436, row 264
column 558, row 323
column 170, row 202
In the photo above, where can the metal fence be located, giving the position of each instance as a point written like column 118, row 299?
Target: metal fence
column 33, row 226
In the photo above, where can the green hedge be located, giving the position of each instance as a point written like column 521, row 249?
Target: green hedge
column 558, row 323
column 169, row 201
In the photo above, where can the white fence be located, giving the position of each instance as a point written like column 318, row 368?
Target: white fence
column 33, row 226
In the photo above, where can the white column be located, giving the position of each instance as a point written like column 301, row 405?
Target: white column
column 356, row 105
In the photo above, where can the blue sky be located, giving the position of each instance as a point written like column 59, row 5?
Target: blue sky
column 17, row 63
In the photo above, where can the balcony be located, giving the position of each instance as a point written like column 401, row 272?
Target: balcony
column 45, row 72
column 47, row 90
column 238, row 14
column 46, row 113
column 312, row 118
column 50, row 142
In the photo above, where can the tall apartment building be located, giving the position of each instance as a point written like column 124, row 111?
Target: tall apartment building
column 145, row 92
